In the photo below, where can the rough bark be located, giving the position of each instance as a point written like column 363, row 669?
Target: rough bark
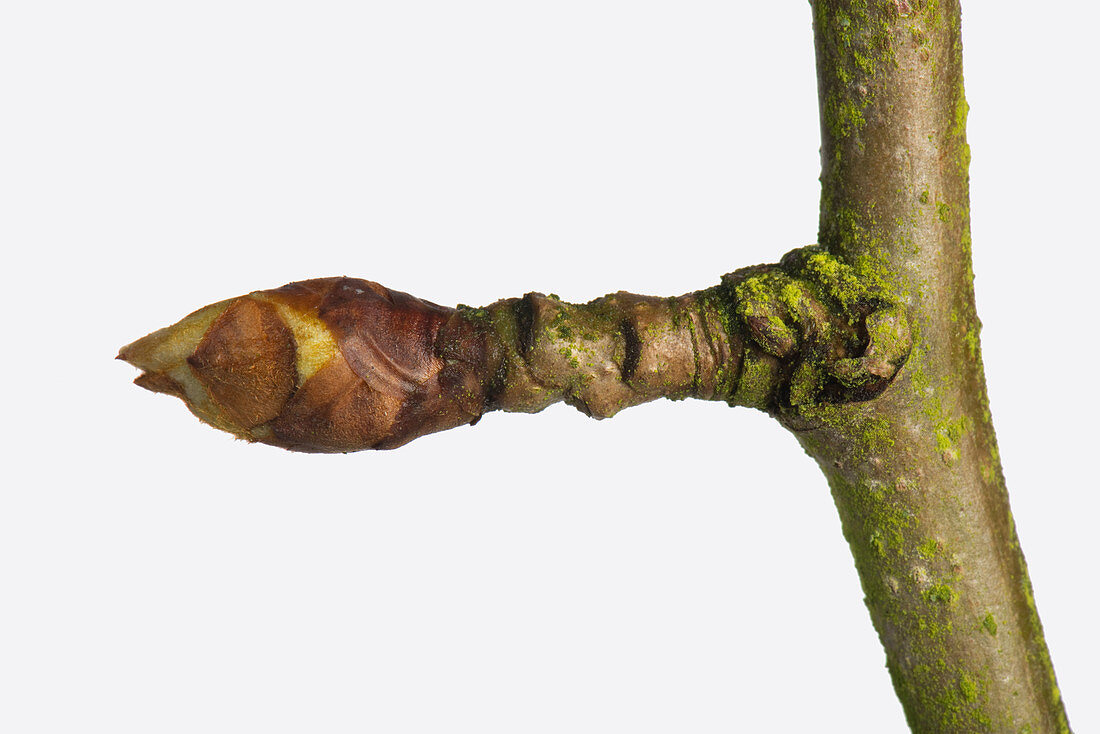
column 915, row 473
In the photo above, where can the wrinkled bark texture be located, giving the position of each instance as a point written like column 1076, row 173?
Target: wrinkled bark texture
column 915, row 473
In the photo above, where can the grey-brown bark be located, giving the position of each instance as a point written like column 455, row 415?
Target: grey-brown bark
column 915, row 473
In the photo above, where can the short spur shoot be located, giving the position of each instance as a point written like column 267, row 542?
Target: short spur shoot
column 342, row 364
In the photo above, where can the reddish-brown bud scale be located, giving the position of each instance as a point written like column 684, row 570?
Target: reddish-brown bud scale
column 251, row 385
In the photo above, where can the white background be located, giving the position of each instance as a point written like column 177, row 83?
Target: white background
column 677, row 569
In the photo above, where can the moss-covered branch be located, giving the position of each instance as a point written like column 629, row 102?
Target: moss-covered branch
column 341, row 364
column 915, row 473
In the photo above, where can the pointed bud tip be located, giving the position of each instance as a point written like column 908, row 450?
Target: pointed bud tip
column 165, row 348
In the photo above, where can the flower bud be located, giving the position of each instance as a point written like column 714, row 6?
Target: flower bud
column 333, row 364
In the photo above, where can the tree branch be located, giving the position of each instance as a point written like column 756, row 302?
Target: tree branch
column 915, row 474
column 866, row 348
